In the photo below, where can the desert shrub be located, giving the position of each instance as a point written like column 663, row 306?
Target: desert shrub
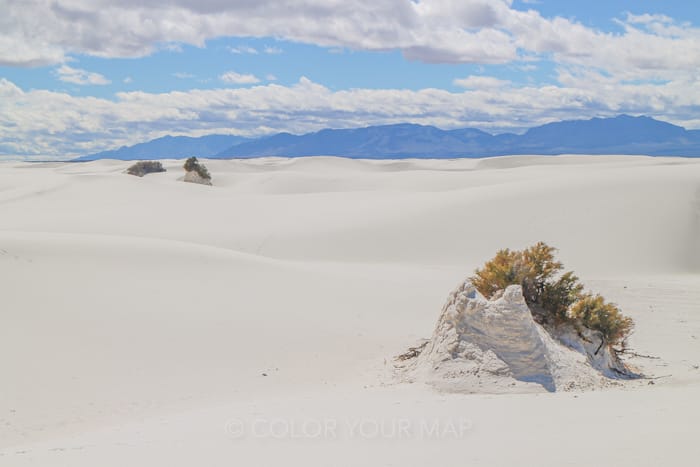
column 142, row 168
column 558, row 296
column 552, row 296
column 192, row 164
column 537, row 271
column 593, row 312
column 503, row 270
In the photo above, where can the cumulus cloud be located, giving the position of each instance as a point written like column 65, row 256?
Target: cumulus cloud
column 272, row 50
column 48, row 124
column 646, row 49
column 246, row 49
column 445, row 31
column 480, row 82
column 231, row 77
column 243, row 49
column 77, row 76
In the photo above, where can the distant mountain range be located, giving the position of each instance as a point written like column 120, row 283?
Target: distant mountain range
column 618, row 135
column 170, row 147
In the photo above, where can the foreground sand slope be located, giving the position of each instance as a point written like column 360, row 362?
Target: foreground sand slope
column 139, row 315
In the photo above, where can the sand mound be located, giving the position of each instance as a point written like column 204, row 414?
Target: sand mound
column 494, row 346
column 193, row 177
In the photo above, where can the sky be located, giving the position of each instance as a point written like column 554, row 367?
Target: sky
column 82, row 76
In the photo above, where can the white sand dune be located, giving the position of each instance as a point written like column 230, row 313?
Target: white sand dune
column 140, row 314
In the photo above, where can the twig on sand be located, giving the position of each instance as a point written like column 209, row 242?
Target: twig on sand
column 635, row 354
column 412, row 352
column 656, row 377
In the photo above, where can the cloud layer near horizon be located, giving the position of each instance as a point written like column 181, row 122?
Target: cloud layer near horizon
column 45, row 124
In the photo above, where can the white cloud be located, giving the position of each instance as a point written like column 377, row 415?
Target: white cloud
column 273, row 50
column 243, row 49
column 183, row 75
column 128, row 80
column 449, row 31
column 481, row 82
column 231, row 77
column 171, row 47
column 246, row 49
column 77, row 76
column 271, row 77
column 53, row 124
column 647, row 49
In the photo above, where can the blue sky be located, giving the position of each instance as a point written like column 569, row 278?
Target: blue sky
column 78, row 76
column 600, row 13
column 269, row 60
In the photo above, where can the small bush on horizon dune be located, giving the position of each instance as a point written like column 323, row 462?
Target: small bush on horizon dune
column 142, row 168
column 553, row 298
column 193, row 165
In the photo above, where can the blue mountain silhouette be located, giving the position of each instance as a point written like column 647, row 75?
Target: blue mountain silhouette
column 169, row 147
column 619, row 135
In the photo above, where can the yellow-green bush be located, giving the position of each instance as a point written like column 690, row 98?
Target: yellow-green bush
column 593, row 312
column 556, row 297
column 503, row 270
column 553, row 297
column 537, row 271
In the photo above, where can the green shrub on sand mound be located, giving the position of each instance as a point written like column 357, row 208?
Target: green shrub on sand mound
column 593, row 312
column 554, row 298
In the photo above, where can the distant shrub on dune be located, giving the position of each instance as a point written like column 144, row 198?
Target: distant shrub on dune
column 193, row 165
column 553, row 298
column 142, row 168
